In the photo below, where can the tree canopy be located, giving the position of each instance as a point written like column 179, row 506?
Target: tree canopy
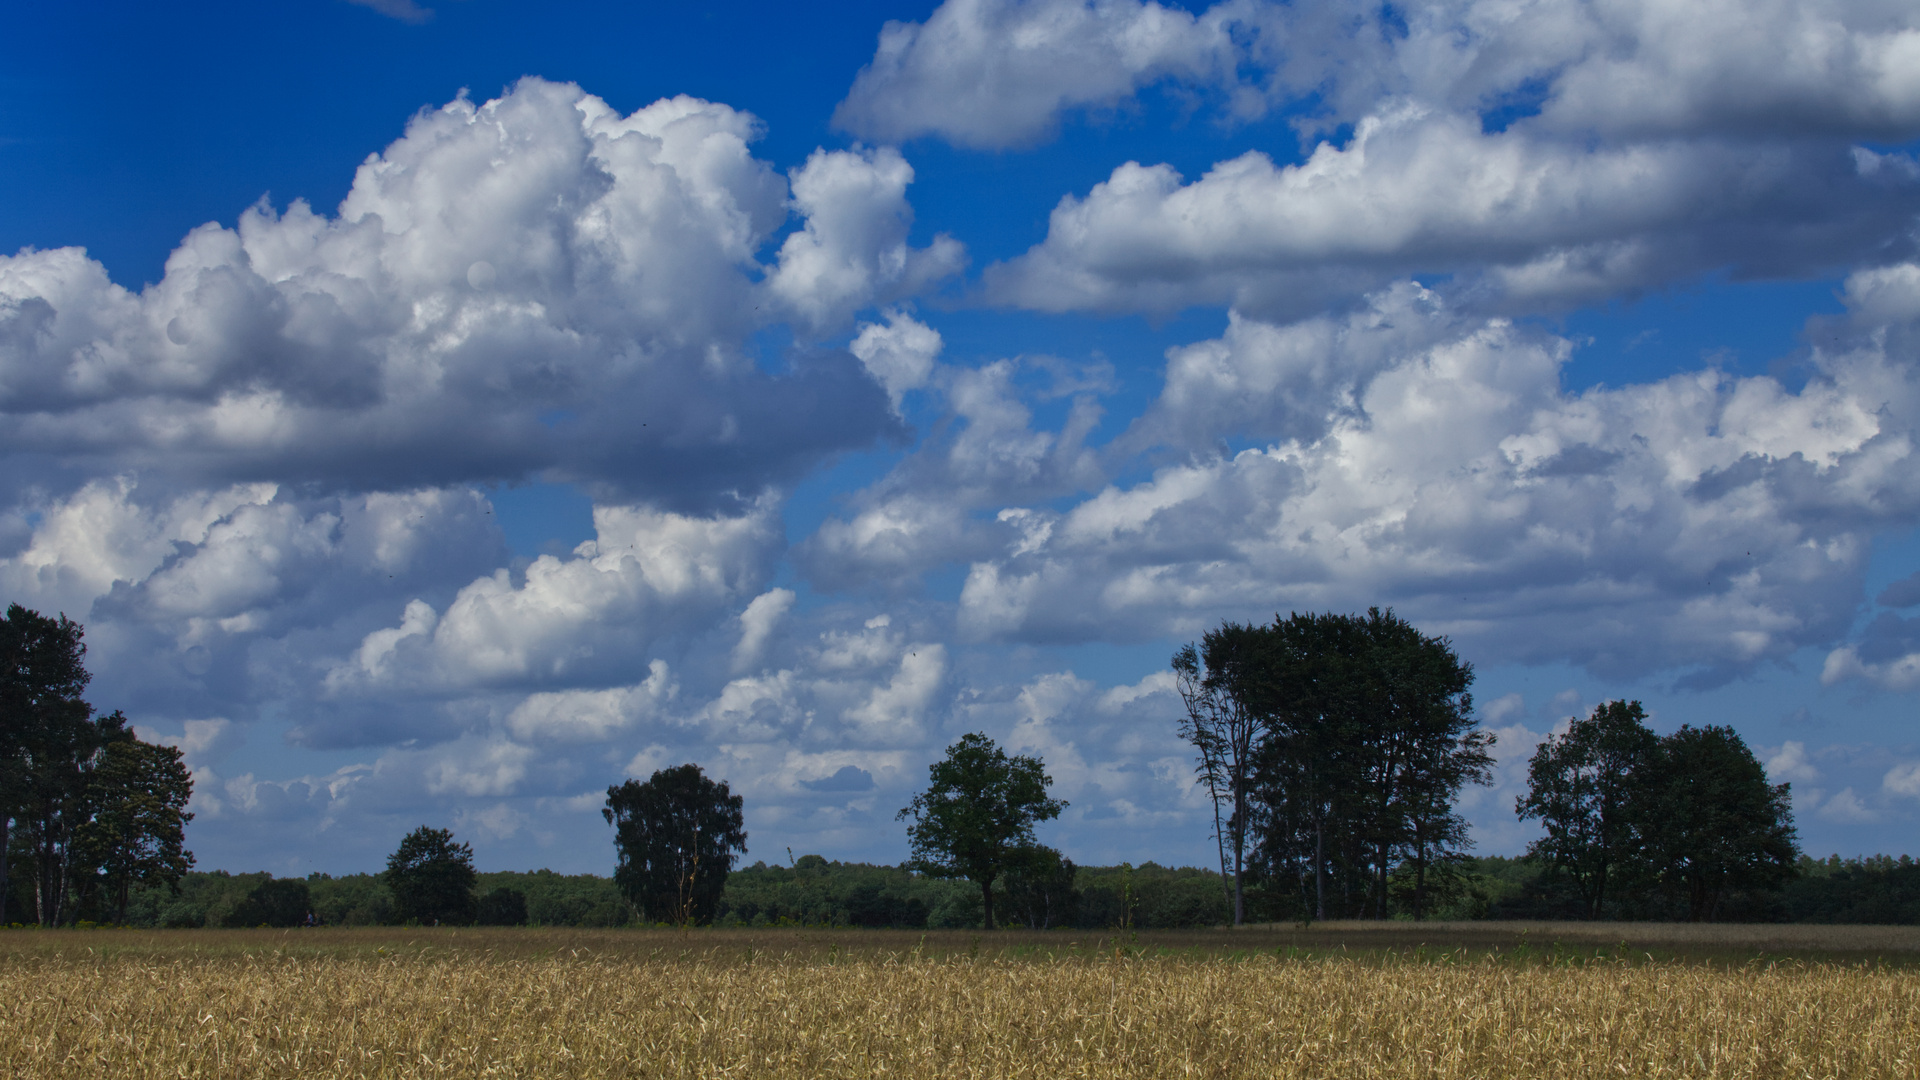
column 86, row 809
column 1339, row 745
column 976, row 818
column 1629, row 814
column 432, row 878
column 675, row 836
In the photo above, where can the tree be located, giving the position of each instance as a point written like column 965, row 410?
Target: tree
column 978, row 813
column 431, row 878
column 1040, row 888
column 47, row 739
column 1714, row 824
column 675, row 838
column 1366, row 738
column 1589, row 790
column 278, row 902
column 1215, row 682
column 503, row 907
column 135, row 824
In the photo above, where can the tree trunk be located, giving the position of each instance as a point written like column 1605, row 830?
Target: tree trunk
column 1420, row 885
column 1320, row 867
column 986, row 900
column 1239, row 848
column 5, row 883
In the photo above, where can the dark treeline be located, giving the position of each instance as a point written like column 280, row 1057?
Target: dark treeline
column 810, row 892
column 816, row 892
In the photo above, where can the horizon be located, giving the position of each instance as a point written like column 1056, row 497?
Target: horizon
column 439, row 412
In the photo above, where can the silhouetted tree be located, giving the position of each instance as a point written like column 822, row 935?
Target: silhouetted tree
column 431, row 878
column 977, row 813
column 1589, row 790
column 1215, row 682
column 134, row 829
column 675, row 838
column 1366, row 738
column 1713, row 823
column 48, row 740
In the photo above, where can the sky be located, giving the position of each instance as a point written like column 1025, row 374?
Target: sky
column 438, row 411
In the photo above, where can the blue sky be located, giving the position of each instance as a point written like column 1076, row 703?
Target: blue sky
column 437, row 412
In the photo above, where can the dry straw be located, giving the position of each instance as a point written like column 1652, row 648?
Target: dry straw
column 683, row 1007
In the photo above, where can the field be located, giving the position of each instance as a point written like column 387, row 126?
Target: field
column 1339, row 1000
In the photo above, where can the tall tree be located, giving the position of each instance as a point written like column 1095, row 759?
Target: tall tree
column 135, row 826
column 432, row 878
column 1589, row 790
column 45, row 740
column 978, row 813
column 1715, row 824
column 1215, row 682
column 675, row 838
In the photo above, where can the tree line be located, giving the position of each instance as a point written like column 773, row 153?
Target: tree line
column 1334, row 749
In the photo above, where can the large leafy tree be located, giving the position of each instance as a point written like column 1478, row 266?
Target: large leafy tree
column 135, row 827
column 1589, row 790
column 43, row 724
column 432, row 878
column 675, row 836
column 976, row 818
column 51, row 750
column 1366, row 737
column 1714, row 823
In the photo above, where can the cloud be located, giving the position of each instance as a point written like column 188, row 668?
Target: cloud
column 649, row 573
column 404, row 10
column 853, row 252
column 1904, row 593
column 1416, row 457
column 900, row 354
column 1538, row 221
column 997, row 73
column 758, row 623
column 535, row 285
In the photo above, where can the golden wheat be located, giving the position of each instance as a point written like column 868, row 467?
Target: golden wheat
column 680, row 1006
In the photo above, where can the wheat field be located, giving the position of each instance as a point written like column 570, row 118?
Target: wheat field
column 773, row 1004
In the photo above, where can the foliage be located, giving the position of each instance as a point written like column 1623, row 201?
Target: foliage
column 274, row 902
column 978, row 813
column 1366, row 738
column 675, row 836
column 134, row 831
column 431, row 878
column 86, row 809
column 1713, row 823
column 1588, row 788
column 1040, row 890
column 502, row 907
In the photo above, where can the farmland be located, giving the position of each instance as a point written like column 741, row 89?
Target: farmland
column 1336, row 1000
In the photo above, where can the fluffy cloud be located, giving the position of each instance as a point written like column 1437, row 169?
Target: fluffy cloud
column 535, row 283
column 997, row 73
column 1416, row 190
column 649, row 573
column 1550, row 154
column 1432, row 461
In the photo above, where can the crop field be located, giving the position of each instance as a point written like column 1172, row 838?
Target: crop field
column 1339, row 1000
